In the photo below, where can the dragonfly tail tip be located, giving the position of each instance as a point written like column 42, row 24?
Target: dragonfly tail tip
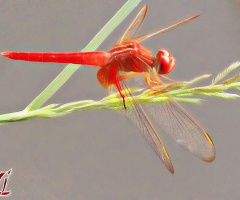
column 6, row 54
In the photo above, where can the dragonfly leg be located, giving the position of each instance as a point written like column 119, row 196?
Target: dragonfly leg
column 107, row 76
column 149, row 80
column 169, row 79
column 127, row 75
column 119, row 88
column 114, row 77
column 156, row 80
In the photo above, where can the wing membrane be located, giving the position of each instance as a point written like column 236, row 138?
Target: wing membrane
column 134, row 26
column 144, row 37
column 138, row 116
column 182, row 127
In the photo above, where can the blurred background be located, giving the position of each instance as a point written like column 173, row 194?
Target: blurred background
column 100, row 154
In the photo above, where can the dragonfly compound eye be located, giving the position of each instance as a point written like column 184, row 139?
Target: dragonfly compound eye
column 166, row 63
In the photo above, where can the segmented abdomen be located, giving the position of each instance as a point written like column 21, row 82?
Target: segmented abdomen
column 98, row 58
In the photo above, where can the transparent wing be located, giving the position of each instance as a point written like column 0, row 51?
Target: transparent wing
column 144, row 37
column 179, row 124
column 138, row 116
column 134, row 26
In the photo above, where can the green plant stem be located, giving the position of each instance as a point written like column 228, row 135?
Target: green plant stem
column 177, row 91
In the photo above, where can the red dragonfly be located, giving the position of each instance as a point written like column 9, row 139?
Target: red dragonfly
column 127, row 59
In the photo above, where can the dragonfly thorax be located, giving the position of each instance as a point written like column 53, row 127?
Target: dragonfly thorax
column 131, row 56
column 123, row 51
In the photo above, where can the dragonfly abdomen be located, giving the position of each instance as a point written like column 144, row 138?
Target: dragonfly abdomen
column 98, row 58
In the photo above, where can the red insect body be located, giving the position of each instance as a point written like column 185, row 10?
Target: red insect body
column 126, row 59
column 98, row 58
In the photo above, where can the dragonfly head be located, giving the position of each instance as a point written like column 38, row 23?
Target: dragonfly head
column 164, row 62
